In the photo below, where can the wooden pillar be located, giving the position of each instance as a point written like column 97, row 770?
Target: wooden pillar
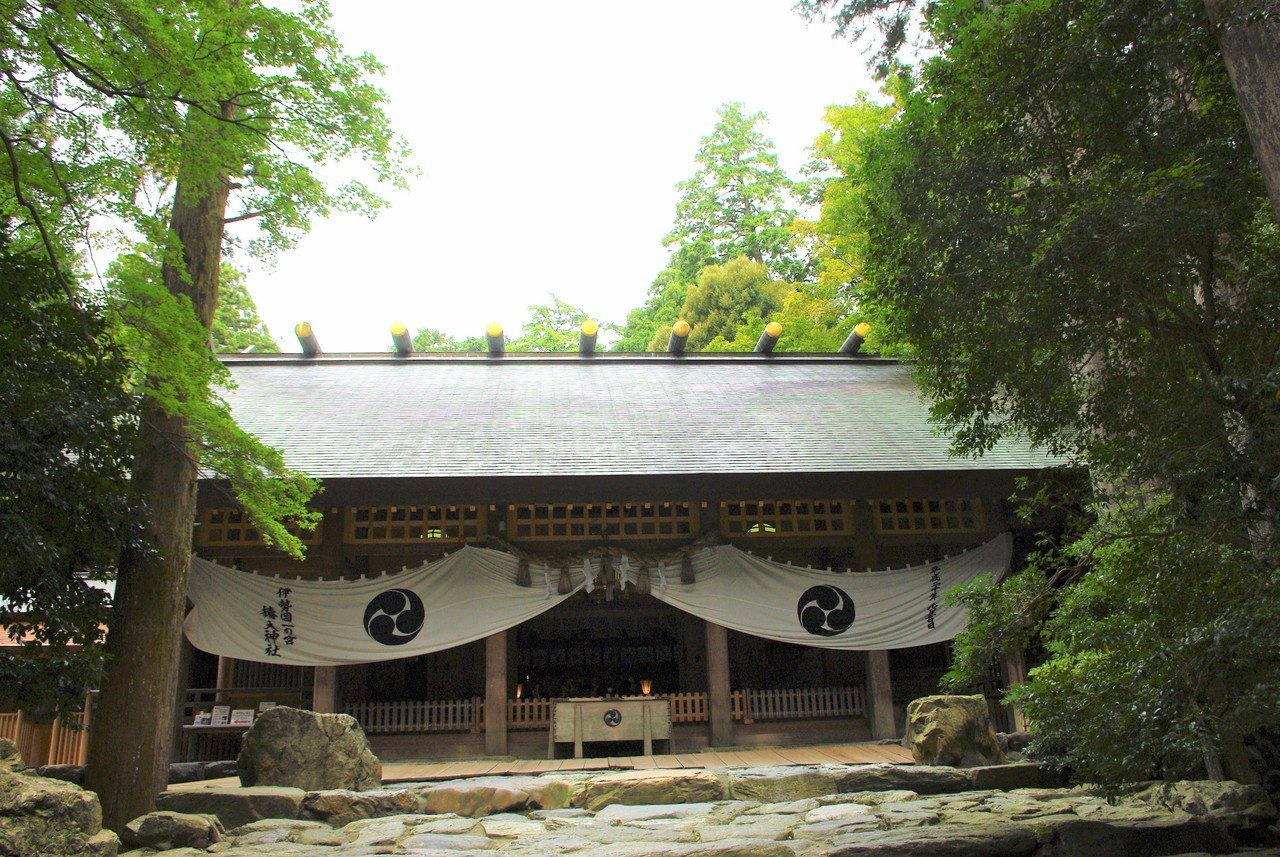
column 226, row 677
column 495, row 694
column 880, row 695
column 1013, row 668
column 719, row 699
column 324, row 690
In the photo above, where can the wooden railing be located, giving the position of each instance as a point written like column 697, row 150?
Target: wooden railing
column 529, row 714
column 467, row 715
column 447, row 715
column 67, row 744
column 805, row 703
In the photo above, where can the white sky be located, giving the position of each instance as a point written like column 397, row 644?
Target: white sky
column 551, row 137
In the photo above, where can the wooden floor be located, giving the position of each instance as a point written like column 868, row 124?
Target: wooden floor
column 835, row 754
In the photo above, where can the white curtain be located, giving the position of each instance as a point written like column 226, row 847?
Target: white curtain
column 848, row 610
column 466, row 596
column 472, row 594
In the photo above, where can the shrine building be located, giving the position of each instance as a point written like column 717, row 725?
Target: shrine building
column 762, row 539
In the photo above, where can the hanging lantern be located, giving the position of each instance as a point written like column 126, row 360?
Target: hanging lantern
column 566, row 585
column 522, row 573
column 642, row 581
column 686, row 570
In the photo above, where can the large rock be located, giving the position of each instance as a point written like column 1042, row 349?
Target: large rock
column 1022, row 775
column 961, row 840
column 651, row 787
column 777, row 784
column 162, row 831
column 40, row 817
column 481, row 796
column 309, row 751
column 235, row 807
column 1246, row 810
column 921, row 779
column 340, row 807
column 10, row 758
column 952, row 730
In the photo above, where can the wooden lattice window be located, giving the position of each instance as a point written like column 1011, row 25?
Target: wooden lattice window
column 739, row 518
column 229, row 527
column 929, row 515
column 413, row 524
column 552, row 522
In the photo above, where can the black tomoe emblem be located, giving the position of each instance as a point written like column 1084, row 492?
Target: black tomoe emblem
column 394, row 617
column 825, row 611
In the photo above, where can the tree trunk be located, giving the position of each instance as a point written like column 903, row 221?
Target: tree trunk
column 131, row 741
column 1248, row 33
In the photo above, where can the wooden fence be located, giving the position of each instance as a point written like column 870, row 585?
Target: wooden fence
column 47, row 743
column 467, row 715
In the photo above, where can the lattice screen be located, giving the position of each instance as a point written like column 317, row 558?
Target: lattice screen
column 929, row 515
column 230, row 527
column 409, row 524
column 739, row 518
column 553, row 522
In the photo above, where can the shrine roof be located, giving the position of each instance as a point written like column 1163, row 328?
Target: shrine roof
column 429, row 416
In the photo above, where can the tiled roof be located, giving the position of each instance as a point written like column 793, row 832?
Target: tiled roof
column 424, row 416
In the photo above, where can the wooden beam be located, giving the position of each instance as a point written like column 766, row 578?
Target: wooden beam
column 768, row 338
column 307, row 339
column 587, row 339
column 400, row 336
column 679, row 336
column 497, row 342
column 856, row 338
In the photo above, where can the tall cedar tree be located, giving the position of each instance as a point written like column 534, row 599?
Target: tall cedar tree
column 737, row 204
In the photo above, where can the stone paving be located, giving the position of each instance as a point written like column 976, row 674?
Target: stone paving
column 886, row 810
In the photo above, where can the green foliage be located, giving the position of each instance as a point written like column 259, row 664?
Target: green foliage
column 553, row 327
column 98, row 98
column 660, row 311
column 1173, row 642
column 430, row 339
column 106, row 103
column 237, row 327
column 170, row 350
column 838, row 238
column 66, row 439
column 1065, row 223
column 724, row 296
column 738, row 204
